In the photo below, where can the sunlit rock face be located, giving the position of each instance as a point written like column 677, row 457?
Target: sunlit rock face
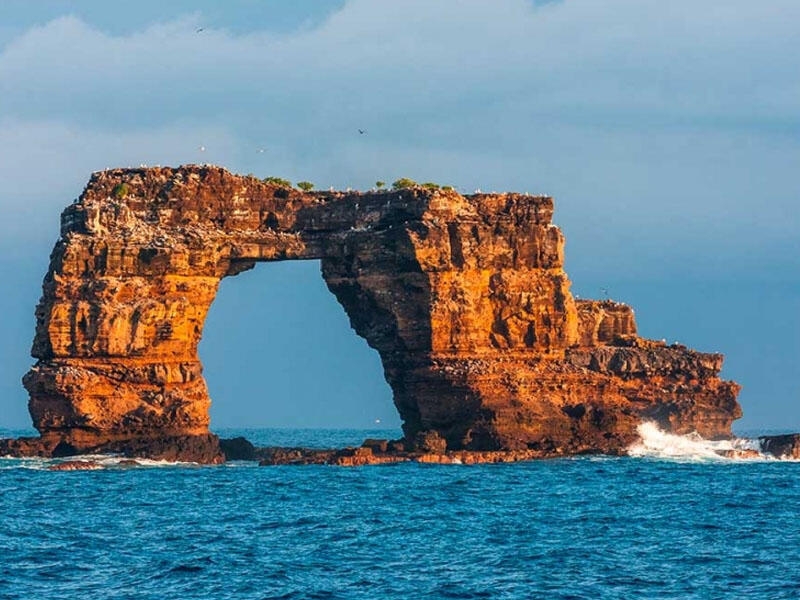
column 464, row 298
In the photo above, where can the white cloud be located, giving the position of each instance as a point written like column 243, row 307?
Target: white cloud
column 729, row 58
column 610, row 106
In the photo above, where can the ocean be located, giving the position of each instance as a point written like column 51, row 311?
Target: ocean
column 675, row 521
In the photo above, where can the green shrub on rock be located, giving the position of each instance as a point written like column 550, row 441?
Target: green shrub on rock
column 279, row 181
column 120, row 191
column 404, row 183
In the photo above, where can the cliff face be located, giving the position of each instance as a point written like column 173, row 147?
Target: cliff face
column 464, row 298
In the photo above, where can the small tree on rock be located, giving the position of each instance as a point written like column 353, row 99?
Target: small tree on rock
column 279, row 181
column 120, row 191
column 306, row 186
column 380, row 184
column 404, row 183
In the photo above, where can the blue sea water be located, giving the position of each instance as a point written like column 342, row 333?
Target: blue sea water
column 593, row 528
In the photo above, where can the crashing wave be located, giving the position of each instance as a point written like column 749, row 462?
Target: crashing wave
column 92, row 461
column 656, row 443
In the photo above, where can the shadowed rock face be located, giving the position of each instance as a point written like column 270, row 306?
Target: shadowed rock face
column 464, row 298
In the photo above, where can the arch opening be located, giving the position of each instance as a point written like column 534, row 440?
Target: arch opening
column 279, row 352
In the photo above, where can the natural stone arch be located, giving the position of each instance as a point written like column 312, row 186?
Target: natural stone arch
column 278, row 351
column 464, row 298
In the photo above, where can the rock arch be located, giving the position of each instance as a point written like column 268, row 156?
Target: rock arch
column 464, row 298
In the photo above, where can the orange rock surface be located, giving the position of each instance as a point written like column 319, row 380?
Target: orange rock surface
column 464, row 297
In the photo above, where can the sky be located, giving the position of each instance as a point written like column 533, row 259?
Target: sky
column 668, row 134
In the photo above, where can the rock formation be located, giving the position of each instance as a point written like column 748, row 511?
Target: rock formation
column 781, row 446
column 464, row 298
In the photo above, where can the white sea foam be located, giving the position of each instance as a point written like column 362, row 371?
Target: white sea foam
column 104, row 460
column 119, row 461
column 12, row 462
column 656, row 443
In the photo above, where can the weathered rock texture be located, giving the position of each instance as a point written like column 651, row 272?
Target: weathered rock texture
column 464, row 297
column 781, row 446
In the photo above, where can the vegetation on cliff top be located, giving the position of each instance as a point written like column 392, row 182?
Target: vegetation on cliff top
column 279, row 181
column 403, row 183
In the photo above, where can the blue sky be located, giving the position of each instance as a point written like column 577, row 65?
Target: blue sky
column 668, row 133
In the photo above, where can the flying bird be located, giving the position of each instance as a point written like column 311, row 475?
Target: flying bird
column 260, row 151
column 202, row 148
column 362, row 131
column 199, row 29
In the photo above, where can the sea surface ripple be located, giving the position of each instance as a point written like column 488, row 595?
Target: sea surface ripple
column 593, row 528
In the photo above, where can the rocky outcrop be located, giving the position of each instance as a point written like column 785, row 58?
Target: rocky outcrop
column 76, row 465
column 781, row 446
column 371, row 455
column 464, row 298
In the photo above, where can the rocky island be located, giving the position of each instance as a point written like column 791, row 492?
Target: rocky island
column 488, row 354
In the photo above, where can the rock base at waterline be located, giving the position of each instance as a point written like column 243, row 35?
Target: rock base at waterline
column 202, row 449
column 209, row 449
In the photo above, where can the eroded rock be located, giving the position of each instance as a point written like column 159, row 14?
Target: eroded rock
column 464, row 298
column 238, row 448
column 781, row 446
column 76, row 465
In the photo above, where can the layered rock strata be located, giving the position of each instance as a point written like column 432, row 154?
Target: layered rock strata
column 464, row 297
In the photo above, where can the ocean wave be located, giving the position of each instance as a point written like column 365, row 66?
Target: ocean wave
column 103, row 461
column 657, row 443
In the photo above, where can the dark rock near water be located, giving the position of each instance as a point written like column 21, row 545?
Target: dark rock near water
column 377, row 446
column 203, row 448
column 237, row 448
column 781, row 446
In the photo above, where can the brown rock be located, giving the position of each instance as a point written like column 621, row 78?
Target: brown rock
column 76, row 465
column 742, row 453
column 396, row 446
column 464, row 298
column 377, row 446
column 294, row 456
column 430, row 441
